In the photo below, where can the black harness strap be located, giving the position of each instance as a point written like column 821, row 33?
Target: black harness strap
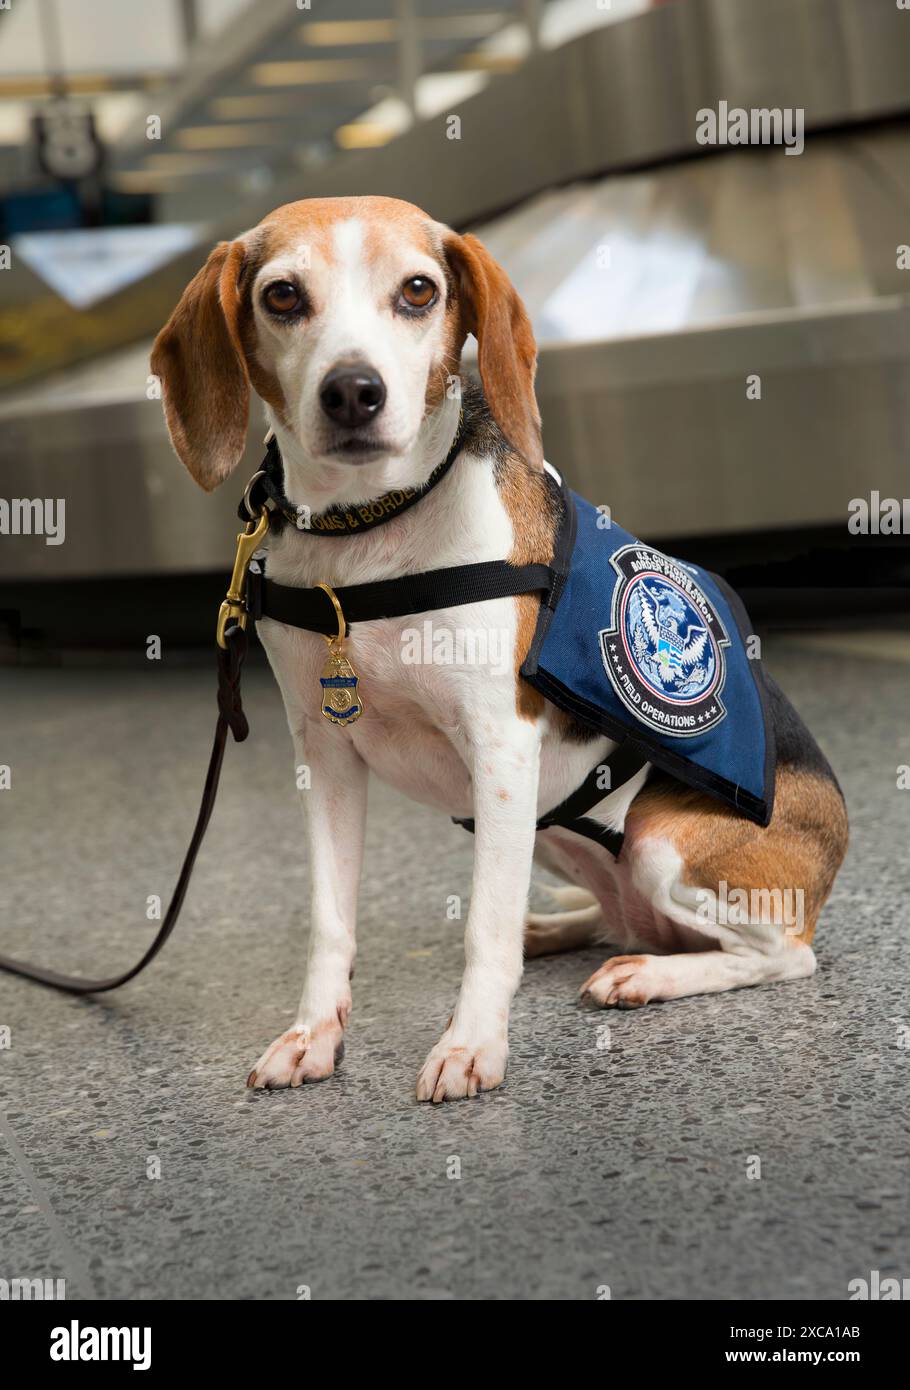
column 311, row 609
column 607, row 777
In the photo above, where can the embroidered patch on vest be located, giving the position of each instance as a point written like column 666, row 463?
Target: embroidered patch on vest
column 664, row 654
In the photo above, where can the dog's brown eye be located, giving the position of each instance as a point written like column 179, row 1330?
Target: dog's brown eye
column 282, row 297
column 418, row 293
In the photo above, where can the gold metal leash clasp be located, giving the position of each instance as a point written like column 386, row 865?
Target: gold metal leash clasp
column 341, row 699
column 233, row 609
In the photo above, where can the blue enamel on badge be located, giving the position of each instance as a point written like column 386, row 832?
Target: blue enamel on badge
column 664, row 653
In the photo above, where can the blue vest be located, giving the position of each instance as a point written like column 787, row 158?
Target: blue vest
column 635, row 644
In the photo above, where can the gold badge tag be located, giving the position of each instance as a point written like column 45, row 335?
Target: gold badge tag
column 341, row 701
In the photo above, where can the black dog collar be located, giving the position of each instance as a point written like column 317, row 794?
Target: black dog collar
column 267, row 489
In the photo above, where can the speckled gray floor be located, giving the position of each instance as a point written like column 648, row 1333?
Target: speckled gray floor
column 623, row 1165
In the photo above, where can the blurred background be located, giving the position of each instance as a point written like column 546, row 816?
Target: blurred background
column 662, row 274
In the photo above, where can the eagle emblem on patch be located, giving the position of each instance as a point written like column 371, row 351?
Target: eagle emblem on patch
column 664, row 653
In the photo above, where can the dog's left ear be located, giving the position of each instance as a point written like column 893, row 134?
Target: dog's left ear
column 507, row 352
column 199, row 359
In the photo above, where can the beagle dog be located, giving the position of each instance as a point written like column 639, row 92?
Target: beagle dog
column 347, row 317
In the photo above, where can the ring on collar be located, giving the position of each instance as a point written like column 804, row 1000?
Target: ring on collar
column 247, row 492
column 342, row 624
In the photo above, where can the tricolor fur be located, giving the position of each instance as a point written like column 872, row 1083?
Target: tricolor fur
column 468, row 741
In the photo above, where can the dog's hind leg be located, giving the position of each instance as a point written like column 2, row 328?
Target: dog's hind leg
column 548, row 933
column 711, row 879
column 567, row 896
column 630, row 981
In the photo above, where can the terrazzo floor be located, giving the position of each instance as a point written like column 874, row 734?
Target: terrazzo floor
column 134, row 1164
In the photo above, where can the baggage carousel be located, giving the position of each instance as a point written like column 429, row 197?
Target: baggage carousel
column 724, row 333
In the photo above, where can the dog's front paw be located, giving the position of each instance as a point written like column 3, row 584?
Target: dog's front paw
column 452, row 1071
column 301, row 1054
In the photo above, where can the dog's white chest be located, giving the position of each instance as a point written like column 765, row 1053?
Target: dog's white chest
column 408, row 734
column 438, row 688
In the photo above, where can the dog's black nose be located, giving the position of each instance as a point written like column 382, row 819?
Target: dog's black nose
column 352, row 395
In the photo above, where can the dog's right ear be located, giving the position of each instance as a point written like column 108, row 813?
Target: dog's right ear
column 199, row 359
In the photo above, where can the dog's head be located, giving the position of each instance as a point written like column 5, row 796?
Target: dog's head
column 347, row 316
